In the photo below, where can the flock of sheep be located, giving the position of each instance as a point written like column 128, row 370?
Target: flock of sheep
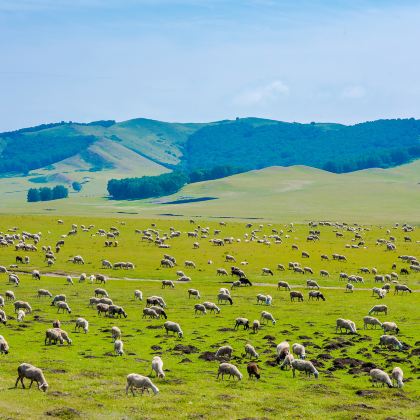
column 293, row 357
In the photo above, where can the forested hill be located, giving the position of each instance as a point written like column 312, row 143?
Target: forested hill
column 250, row 144
column 228, row 146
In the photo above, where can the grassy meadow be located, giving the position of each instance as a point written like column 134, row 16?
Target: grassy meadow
column 87, row 380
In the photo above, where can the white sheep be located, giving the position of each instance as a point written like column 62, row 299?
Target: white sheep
column 287, row 362
column 390, row 326
column 3, row 317
column 138, row 294
column 174, row 327
column 82, row 323
column 224, row 352
column 200, row 308
column 64, row 307
column 256, row 326
column 4, row 346
column 115, row 333
column 34, row 374
column 299, row 350
column 211, row 307
column 379, row 308
column 44, row 292
column 21, row 315
column 397, row 375
column 138, row 381
column 119, row 347
column 229, row 369
column 304, row 366
column 250, row 351
column 268, row 317
column 379, row 376
column 370, row 320
column 157, row 366
column 69, row 280
column 390, row 341
column 345, row 324
column 52, row 335
column 282, row 349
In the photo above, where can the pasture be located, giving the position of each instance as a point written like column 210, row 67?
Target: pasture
column 87, row 380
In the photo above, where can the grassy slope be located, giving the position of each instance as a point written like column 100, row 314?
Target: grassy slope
column 87, row 378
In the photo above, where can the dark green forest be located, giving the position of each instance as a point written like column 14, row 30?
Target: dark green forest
column 47, row 194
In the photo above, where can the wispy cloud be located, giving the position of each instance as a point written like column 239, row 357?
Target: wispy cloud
column 262, row 95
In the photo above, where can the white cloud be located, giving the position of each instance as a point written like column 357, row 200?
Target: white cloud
column 353, row 92
column 263, row 95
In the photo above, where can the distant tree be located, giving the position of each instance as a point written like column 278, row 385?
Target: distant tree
column 77, row 186
column 59, row 191
column 45, row 194
column 33, row 195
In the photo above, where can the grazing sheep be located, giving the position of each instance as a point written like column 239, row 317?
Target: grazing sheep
column 224, row 352
column 168, row 283
column 379, row 292
column 379, row 308
column 261, row 298
column 1, row 301
column 283, row 284
column 312, row 284
column 287, row 361
column 157, row 366
column 69, row 280
column 138, row 294
column 242, row 321
column 304, row 366
column 345, row 324
column 82, row 323
column 211, row 307
column 174, row 327
column 299, row 350
column 34, row 374
column 193, row 292
column 36, row 275
column 43, row 292
column 253, row 370
column 370, row 320
column 349, row 288
column 142, row 382
column 151, row 313
column 189, row 264
column 397, row 376
column 324, row 273
column 267, row 271
column 401, row 288
column 267, row 316
column 52, row 335
column 282, row 349
column 379, row 376
column 19, row 304
column 58, row 298
column 390, row 326
column 224, row 290
column 250, row 351
column 160, row 311
column 229, row 369
column 118, row 347
column 155, row 300
column 21, row 315
column 100, row 278
column 116, row 310
column 256, row 326
column 222, row 297
column 9, row 295
column 4, row 346
column 296, row 295
column 200, row 308
column 82, row 278
column 64, row 307
column 390, row 341
column 64, row 335
column 316, row 294
column 101, row 292
column 3, row 317
column 115, row 333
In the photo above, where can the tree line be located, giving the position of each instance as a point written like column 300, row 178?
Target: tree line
column 47, row 194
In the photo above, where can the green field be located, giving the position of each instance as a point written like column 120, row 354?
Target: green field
column 87, row 380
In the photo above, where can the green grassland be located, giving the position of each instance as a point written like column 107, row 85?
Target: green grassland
column 87, row 380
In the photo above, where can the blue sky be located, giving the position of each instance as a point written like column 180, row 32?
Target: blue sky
column 200, row 60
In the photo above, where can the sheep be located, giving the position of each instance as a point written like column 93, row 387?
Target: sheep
column 346, row 325
column 3, row 317
column 324, row 273
column 299, row 350
column 349, row 288
column 118, row 347
column 9, row 295
column 283, row 284
column 92, row 278
column 267, row 271
column 168, row 283
column 229, row 369
column 36, row 275
column 268, row 300
column 380, row 292
column 115, row 333
column 155, row 300
column 53, row 335
column 200, row 308
column 230, row 258
column 261, row 298
column 397, row 375
column 21, row 315
column 282, row 349
column 304, row 366
column 241, row 321
column 58, row 298
column 370, row 320
column 180, row 273
column 19, row 304
column 312, row 284
column 157, row 366
column 56, row 323
column 379, row 376
column 267, row 316
column 151, row 313
column 253, row 370
column 401, row 288
column 44, row 292
column 223, row 297
column 316, row 294
column 82, row 323
column 25, row 370
column 100, row 278
column 1, row 301
column 116, row 310
column 193, row 292
column 250, row 351
column 64, row 307
column 296, row 295
column 13, row 278
column 69, row 280
column 4, row 346
column 82, row 278
column 390, row 341
column 221, row 272
column 224, row 352
column 160, row 311
column 256, row 326
column 138, row 381
column 211, row 307
column 287, row 361
column 174, row 327
column 390, row 326
column 138, row 294
column 101, row 292
column 64, row 335
column 379, row 308
column 189, row 264
column 224, row 290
